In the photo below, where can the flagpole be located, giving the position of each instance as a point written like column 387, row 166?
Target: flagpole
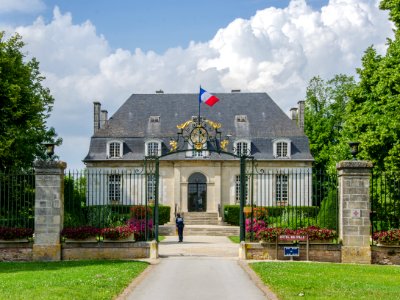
column 199, row 106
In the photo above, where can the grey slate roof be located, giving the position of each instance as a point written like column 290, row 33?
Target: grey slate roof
column 265, row 122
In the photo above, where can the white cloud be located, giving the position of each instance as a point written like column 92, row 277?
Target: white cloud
column 276, row 51
column 21, row 6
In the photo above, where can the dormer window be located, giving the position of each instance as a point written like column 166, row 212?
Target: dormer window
column 154, row 119
column 282, row 148
column 153, row 148
column 114, row 149
column 242, row 147
column 241, row 118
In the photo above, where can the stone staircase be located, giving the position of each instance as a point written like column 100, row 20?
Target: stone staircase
column 200, row 218
column 201, row 224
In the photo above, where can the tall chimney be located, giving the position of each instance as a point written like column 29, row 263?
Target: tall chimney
column 103, row 119
column 301, row 115
column 96, row 116
column 294, row 116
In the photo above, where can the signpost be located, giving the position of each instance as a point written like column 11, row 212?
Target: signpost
column 291, row 251
column 294, row 250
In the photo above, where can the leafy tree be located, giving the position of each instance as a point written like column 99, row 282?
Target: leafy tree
column 373, row 110
column 325, row 114
column 24, row 106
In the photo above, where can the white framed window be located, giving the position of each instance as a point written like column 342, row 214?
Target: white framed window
column 114, row 188
column 151, row 187
column 282, row 188
column 282, row 148
column 237, row 189
column 242, row 147
column 114, row 149
column 153, row 148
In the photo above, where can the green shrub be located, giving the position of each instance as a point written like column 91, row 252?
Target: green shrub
column 232, row 214
column 327, row 216
column 164, row 214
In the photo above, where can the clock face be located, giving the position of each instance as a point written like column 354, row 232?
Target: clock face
column 198, row 135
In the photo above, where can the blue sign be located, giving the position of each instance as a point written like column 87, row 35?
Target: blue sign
column 291, row 251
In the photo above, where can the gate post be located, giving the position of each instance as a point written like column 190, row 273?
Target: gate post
column 49, row 209
column 242, row 196
column 354, row 210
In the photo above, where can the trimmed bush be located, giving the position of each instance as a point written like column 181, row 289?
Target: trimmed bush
column 232, row 214
column 164, row 214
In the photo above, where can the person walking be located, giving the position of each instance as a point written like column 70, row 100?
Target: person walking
column 179, row 226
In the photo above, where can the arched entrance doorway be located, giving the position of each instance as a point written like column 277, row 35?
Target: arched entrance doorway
column 197, row 192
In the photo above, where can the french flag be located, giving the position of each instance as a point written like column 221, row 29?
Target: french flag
column 207, row 98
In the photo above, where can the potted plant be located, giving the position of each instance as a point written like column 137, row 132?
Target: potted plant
column 80, row 234
column 118, row 233
column 387, row 237
column 10, row 234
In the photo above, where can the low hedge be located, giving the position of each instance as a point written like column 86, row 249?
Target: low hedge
column 232, row 212
column 164, row 214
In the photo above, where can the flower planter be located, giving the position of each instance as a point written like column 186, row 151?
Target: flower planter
column 128, row 239
column 328, row 241
column 92, row 239
column 391, row 244
column 25, row 240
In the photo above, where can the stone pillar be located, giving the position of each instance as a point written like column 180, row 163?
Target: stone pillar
column 354, row 210
column 49, row 209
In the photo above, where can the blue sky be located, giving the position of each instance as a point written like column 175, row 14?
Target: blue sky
column 103, row 50
column 154, row 25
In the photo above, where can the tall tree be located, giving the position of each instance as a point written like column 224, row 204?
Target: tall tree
column 374, row 107
column 325, row 114
column 25, row 105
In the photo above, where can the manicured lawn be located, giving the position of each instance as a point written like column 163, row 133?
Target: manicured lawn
column 234, row 239
column 67, row 280
column 329, row 281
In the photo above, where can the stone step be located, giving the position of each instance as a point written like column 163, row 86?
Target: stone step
column 201, row 230
column 200, row 218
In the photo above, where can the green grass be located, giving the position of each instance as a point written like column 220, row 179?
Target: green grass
column 66, row 280
column 161, row 238
column 234, row 239
column 329, row 281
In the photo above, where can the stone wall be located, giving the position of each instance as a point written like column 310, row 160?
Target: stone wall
column 15, row 251
column 110, row 250
column 386, row 255
column 316, row 252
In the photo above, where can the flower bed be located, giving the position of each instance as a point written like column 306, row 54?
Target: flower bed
column 80, row 233
column 117, row 233
column 387, row 237
column 314, row 233
column 9, row 233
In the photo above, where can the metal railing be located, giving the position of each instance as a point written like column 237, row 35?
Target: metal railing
column 292, row 199
column 385, row 201
column 17, row 199
column 110, row 198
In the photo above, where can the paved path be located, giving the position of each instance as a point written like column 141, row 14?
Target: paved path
column 199, row 268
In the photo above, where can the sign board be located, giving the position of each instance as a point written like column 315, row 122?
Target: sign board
column 291, row 238
column 291, row 251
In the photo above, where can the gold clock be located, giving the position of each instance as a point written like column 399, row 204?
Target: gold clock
column 198, row 135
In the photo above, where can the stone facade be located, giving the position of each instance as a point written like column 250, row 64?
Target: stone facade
column 354, row 211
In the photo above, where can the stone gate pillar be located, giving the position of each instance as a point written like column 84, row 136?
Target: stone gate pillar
column 49, row 209
column 354, row 210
